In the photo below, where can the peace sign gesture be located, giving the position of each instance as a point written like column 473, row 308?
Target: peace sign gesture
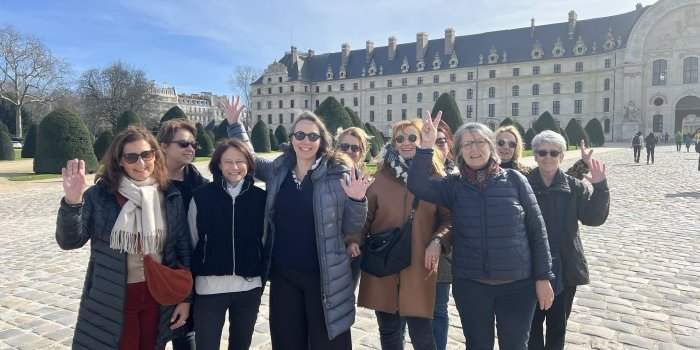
column 586, row 153
column 232, row 109
column 354, row 185
column 74, row 181
column 429, row 131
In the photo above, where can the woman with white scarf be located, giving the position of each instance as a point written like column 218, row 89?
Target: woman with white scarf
column 131, row 213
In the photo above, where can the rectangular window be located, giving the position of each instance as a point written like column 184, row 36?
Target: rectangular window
column 470, row 75
column 436, row 79
column 330, row 88
column 419, row 112
column 579, row 66
column 608, row 63
column 355, row 86
column 389, row 83
column 317, row 103
column 404, row 81
column 453, row 77
column 556, row 107
column 306, row 104
column 259, row 117
column 556, row 88
column 404, row 114
column 419, row 81
column 388, row 115
column 492, row 92
column 342, row 102
column 269, row 91
column 578, row 87
column 306, row 88
column 470, row 94
column 492, row 110
column 515, row 109
column 280, row 104
column 606, row 104
column 317, row 89
column 578, row 106
column 535, row 108
column 388, row 99
column 535, row 70
column 371, row 116
column 606, row 84
column 371, row 100
column 371, row 85
column 291, row 117
column 435, row 96
column 269, row 118
column 404, row 98
column 259, row 92
column 492, row 74
column 557, row 68
column 259, row 105
column 453, row 94
column 280, row 89
column 342, row 87
column 355, row 102
column 291, row 103
column 516, row 72
column 659, row 72
column 280, row 119
column 269, row 104
column 470, row 111
column 291, row 88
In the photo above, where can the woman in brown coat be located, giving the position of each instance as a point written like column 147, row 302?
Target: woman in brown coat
column 406, row 298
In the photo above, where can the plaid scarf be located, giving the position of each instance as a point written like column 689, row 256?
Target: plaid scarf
column 397, row 164
column 479, row 177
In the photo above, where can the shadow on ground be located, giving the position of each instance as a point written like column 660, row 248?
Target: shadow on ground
column 683, row 195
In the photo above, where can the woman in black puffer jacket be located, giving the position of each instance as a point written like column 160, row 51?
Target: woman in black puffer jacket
column 501, row 263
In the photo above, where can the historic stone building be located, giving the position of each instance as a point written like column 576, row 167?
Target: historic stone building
column 632, row 71
column 199, row 108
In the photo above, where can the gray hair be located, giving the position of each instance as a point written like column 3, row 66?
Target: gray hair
column 474, row 128
column 549, row 137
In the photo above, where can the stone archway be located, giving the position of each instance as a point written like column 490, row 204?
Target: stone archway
column 687, row 106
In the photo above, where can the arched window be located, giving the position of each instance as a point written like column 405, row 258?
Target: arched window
column 658, row 123
column 659, row 72
column 535, row 89
column 516, row 90
column 606, row 126
column 492, row 92
column 690, row 70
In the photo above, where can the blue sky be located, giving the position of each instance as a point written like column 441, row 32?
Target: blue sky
column 195, row 45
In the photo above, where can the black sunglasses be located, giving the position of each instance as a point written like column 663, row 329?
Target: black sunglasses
column 441, row 141
column 300, row 135
column 132, row 158
column 510, row 144
column 411, row 138
column 345, row 147
column 553, row 154
column 185, row 143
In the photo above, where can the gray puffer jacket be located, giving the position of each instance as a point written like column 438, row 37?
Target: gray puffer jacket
column 101, row 314
column 335, row 215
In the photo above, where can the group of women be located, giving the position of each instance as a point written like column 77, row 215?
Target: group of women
column 505, row 237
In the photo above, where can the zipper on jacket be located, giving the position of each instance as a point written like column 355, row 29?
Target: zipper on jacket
column 204, row 251
column 484, row 243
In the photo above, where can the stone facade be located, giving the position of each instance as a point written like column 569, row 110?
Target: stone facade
column 203, row 107
column 599, row 68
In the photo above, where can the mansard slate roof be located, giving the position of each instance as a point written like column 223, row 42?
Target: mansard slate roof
column 517, row 44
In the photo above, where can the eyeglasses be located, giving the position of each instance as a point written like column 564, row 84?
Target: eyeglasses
column 345, row 147
column 411, row 138
column 468, row 144
column 132, row 158
column 300, row 135
column 510, row 144
column 185, row 143
column 441, row 141
column 552, row 153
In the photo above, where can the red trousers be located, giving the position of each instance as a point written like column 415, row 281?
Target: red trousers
column 141, row 317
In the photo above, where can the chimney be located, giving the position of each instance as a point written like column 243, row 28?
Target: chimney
column 345, row 49
column 369, row 46
column 392, row 48
column 449, row 41
column 421, row 44
column 295, row 55
column 532, row 27
column 639, row 6
column 572, row 23
column 310, row 53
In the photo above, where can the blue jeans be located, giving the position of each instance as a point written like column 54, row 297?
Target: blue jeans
column 510, row 305
column 441, row 319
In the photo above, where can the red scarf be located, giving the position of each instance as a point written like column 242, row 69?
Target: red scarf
column 479, row 177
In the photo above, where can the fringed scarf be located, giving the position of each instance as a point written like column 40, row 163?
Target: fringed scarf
column 396, row 162
column 140, row 226
column 479, row 177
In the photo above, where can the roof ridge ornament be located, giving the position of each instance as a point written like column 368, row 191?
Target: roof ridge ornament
column 610, row 40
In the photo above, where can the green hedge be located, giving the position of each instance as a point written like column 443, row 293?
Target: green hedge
column 62, row 136
column 29, row 145
column 6, row 150
column 260, row 137
column 102, row 143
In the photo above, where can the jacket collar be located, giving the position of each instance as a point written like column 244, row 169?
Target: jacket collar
column 322, row 167
column 559, row 183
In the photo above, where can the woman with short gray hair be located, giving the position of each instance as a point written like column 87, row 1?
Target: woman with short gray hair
column 501, row 265
column 564, row 201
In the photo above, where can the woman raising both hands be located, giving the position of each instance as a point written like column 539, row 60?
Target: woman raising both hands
column 501, row 262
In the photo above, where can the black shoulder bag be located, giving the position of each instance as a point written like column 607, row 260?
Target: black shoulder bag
column 387, row 253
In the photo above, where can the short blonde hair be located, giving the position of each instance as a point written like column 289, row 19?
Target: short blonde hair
column 360, row 135
column 518, row 153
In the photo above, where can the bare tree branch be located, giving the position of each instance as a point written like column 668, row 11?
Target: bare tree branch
column 242, row 77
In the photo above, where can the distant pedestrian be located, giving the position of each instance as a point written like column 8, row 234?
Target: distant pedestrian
column 688, row 139
column 637, row 146
column 650, row 143
column 666, row 138
column 679, row 141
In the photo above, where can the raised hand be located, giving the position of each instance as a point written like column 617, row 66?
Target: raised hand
column 597, row 172
column 354, row 185
column 74, row 181
column 429, row 130
column 586, row 154
column 232, row 109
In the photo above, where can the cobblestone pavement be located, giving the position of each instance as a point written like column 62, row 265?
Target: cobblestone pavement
column 645, row 266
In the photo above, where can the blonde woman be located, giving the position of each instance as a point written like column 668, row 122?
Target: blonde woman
column 509, row 146
column 355, row 143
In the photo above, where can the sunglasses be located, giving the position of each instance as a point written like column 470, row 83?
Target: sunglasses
column 300, row 135
column 411, row 138
column 544, row 153
column 510, row 144
column 345, row 147
column 185, row 143
column 132, row 158
column 441, row 141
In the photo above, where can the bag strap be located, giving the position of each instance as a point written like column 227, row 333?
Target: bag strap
column 413, row 208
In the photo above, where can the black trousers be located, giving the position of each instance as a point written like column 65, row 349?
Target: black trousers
column 678, row 146
column 650, row 153
column 556, row 318
column 297, row 320
column 392, row 328
column 242, row 313
column 637, row 152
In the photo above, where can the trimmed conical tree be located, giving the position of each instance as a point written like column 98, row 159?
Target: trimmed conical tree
column 520, row 128
column 260, row 138
column 562, row 132
column 544, row 122
column 354, row 117
column 376, row 142
column 125, row 120
column 6, row 150
column 450, row 111
column 205, row 146
column 4, row 128
column 102, row 143
column 29, row 145
column 506, row 122
column 527, row 138
column 62, row 136
column 273, row 141
column 221, row 131
column 575, row 133
column 333, row 115
column 173, row 113
column 281, row 135
column 595, row 132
